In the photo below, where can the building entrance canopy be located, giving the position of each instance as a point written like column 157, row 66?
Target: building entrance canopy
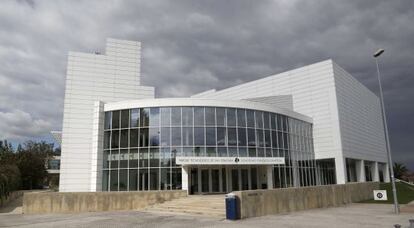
column 187, row 160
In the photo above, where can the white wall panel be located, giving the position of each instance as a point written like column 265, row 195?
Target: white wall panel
column 112, row 77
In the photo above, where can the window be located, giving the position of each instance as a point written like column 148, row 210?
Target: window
column 108, row 119
column 231, row 117
column 210, row 116
column 125, row 118
column 144, row 117
column 154, row 119
column 199, row 116
column 134, row 117
column 115, row 119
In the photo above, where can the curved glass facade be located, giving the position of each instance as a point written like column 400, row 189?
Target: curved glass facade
column 140, row 145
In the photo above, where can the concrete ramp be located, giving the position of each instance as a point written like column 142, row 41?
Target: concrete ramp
column 203, row 205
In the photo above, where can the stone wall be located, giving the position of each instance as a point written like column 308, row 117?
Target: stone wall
column 74, row 202
column 254, row 203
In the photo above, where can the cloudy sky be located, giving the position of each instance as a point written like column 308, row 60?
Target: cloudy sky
column 192, row 46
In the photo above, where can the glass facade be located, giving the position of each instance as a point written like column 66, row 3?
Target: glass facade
column 140, row 145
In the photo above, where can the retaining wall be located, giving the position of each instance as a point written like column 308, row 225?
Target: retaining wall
column 254, row 203
column 74, row 202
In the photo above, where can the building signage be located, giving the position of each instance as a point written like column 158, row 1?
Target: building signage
column 183, row 160
column 380, row 195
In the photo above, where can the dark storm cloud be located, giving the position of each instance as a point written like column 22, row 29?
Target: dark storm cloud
column 192, row 46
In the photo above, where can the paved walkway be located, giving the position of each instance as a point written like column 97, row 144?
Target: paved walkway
column 354, row 215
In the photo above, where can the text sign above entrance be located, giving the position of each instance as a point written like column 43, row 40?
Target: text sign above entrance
column 180, row 160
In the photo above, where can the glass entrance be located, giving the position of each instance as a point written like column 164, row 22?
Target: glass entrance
column 205, row 181
column 215, row 180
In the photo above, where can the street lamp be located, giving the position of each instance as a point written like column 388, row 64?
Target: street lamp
column 387, row 139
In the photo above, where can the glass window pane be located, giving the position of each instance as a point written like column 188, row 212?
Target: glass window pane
column 273, row 121
column 144, row 112
column 250, row 118
column 199, row 136
column 176, row 136
column 133, row 158
column 232, row 136
column 165, row 179
column 115, row 119
column 211, row 152
column 108, row 120
column 251, row 137
column 233, row 152
column 143, row 157
column 135, row 117
column 123, row 180
column 221, row 136
column 165, row 136
column 143, row 179
column 114, row 180
column 242, row 152
column 187, row 136
column 133, row 179
column 266, row 120
column 124, row 138
column 274, row 139
column 199, row 116
column 133, row 138
column 154, row 157
column 187, row 116
column 231, row 117
column 123, row 158
column 252, row 152
column 241, row 139
column 105, row 180
column 176, row 178
column 241, row 117
column 125, row 118
column 260, row 152
column 176, row 116
column 106, row 158
column 221, row 116
column 199, row 151
column 210, row 136
column 154, row 134
column 165, row 157
column 115, row 139
column 222, row 152
column 267, row 142
column 143, row 137
column 154, row 178
column 260, row 138
column 165, row 117
column 107, row 139
column 210, row 116
column 259, row 119
column 154, row 119
column 114, row 159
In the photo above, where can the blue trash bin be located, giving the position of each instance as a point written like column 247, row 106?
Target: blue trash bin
column 231, row 207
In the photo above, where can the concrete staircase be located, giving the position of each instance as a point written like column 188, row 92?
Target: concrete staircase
column 204, row 205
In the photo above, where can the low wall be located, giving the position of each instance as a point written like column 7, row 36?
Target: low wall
column 74, row 202
column 254, row 203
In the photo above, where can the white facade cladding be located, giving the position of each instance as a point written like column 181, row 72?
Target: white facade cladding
column 109, row 77
column 346, row 115
column 308, row 126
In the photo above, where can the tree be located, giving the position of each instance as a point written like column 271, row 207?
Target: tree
column 32, row 160
column 9, row 172
column 399, row 170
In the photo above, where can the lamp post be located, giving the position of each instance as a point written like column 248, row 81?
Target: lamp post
column 387, row 139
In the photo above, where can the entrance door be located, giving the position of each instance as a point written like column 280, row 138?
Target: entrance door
column 205, row 181
column 215, row 180
column 245, row 179
column 194, row 180
column 235, row 180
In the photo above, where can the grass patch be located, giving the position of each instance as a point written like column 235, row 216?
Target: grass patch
column 405, row 193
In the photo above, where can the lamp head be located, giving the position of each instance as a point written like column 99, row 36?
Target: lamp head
column 378, row 53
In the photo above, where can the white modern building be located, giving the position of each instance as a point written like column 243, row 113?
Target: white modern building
column 309, row 126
